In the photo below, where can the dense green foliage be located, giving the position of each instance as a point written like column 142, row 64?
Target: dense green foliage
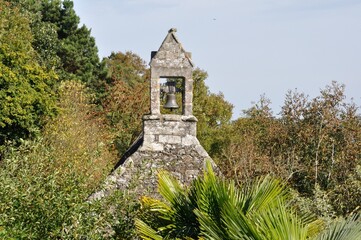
column 214, row 208
column 26, row 93
column 59, row 41
column 315, row 144
column 45, row 183
column 42, row 199
column 66, row 116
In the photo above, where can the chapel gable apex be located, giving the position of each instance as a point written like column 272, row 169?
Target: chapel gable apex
column 171, row 54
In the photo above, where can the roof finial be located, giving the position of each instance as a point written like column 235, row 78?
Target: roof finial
column 172, row 30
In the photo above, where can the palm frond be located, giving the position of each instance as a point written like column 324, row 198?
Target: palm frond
column 211, row 194
column 209, row 227
column 214, row 208
column 155, row 205
column 169, row 187
column 280, row 222
column 145, row 231
column 346, row 229
column 181, row 208
column 261, row 194
column 239, row 226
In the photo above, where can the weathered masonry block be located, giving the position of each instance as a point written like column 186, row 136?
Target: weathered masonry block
column 168, row 129
column 168, row 141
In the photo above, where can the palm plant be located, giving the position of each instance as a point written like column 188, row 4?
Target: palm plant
column 174, row 219
column 345, row 229
column 213, row 208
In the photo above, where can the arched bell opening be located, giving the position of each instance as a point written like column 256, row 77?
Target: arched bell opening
column 171, row 95
column 173, row 65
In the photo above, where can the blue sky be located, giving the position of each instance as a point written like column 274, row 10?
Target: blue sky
column 248, row 48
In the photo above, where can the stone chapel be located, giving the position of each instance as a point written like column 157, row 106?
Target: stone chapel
column 168, row 141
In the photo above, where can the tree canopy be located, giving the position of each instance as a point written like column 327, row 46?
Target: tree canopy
column 66, row 116
column 26, row 87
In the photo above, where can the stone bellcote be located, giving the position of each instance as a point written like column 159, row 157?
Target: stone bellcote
column 170, row 61
column 168, row 141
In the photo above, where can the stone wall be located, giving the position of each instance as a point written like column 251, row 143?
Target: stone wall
column 169, row 143
column 172, row 129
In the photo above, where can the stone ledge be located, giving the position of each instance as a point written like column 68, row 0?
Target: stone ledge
column 151, row 117
column 171, row 118
column 189, row 118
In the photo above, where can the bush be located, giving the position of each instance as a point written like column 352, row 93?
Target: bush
column 45, row 183
column 38, row 200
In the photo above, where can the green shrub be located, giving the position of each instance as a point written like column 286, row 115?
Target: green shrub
column 213, row 208
column 40, row 201
column 45, row 183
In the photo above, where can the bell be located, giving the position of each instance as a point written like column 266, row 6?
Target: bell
column 171, row 98
column 171, row 102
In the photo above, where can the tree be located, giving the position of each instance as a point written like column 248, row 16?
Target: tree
column 45, row 37
column 213, row 112
column 77, row 49
column 26, row 93
column 253, row 142
column 45, row 182
column 60, row 43
column 78, row 136
column 127, row 97
column 313, row 145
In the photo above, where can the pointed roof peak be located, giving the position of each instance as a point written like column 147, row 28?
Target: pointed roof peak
column 171, row 53
column 172, row 30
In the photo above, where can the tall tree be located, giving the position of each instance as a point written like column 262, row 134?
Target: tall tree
column 213, row 112
column 127, row 97
column 77, row 48
column 314, row 145
column 26, row 94
column 60, row 43
column 45, row 36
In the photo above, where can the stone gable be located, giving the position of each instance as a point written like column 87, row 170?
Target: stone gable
column 171, row 54
column 168, row 142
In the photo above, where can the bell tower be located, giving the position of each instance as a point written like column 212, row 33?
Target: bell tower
column 171, row 61
column 168, row 141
